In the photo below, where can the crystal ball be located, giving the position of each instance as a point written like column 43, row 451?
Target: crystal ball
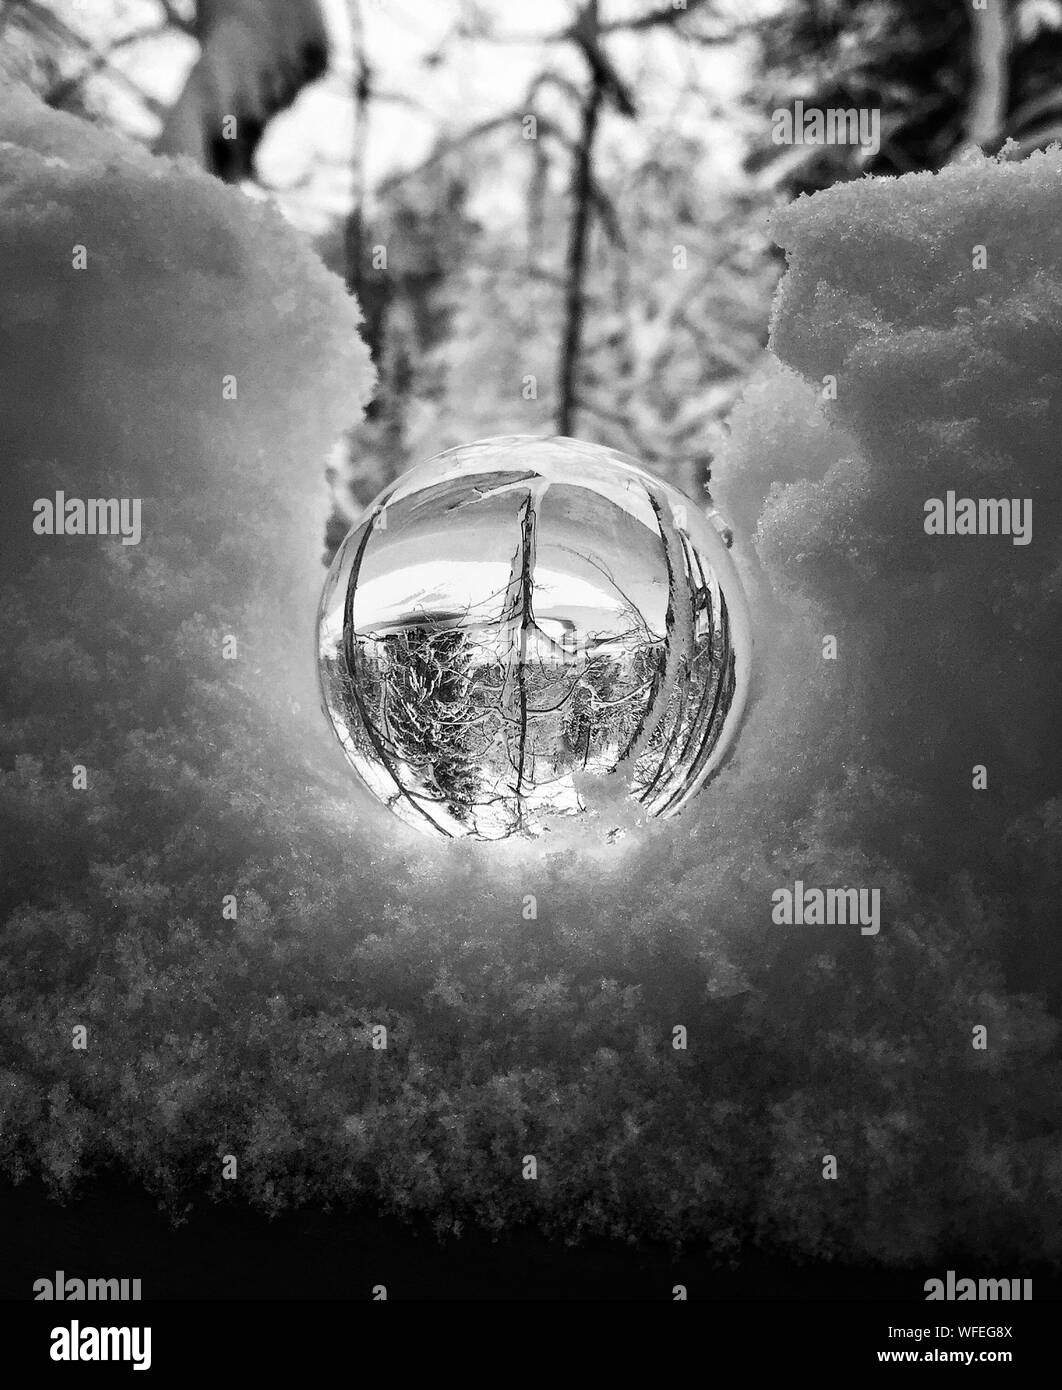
column 520, row 615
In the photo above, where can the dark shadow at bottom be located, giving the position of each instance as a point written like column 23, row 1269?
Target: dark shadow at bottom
column 114, row 1230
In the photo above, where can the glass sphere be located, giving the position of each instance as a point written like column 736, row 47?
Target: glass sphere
column 518, row 613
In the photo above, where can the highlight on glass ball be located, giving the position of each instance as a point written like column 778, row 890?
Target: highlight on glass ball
column 519, row 615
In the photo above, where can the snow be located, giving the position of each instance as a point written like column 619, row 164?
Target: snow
column 549, row 1034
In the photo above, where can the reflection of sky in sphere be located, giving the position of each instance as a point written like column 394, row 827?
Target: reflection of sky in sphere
column 517, row 613
column 477, row 586
column 424, row 565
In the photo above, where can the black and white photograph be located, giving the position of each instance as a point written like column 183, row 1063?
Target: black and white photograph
column 531, row 676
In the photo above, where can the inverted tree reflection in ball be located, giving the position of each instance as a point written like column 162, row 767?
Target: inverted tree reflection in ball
column 517, row 612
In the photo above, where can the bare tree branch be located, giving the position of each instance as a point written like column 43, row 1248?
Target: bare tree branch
column 362, row 94
column 605, row 84
column 452, row 143
column 48, row 22
column 668, row 14
column 607, row 215
column 100, row 62
column 553, row 79
column 607, row 80
column 575, row 264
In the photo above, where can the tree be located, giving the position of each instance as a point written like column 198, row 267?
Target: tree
column 256, row 56
column 627, row 303
column 943, row 76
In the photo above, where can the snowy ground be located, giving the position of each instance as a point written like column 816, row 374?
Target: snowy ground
column 208, row 778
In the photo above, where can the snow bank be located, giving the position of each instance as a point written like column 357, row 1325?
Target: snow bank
column 548, row 1032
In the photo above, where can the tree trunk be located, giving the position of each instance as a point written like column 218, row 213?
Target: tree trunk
column 990, row 64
